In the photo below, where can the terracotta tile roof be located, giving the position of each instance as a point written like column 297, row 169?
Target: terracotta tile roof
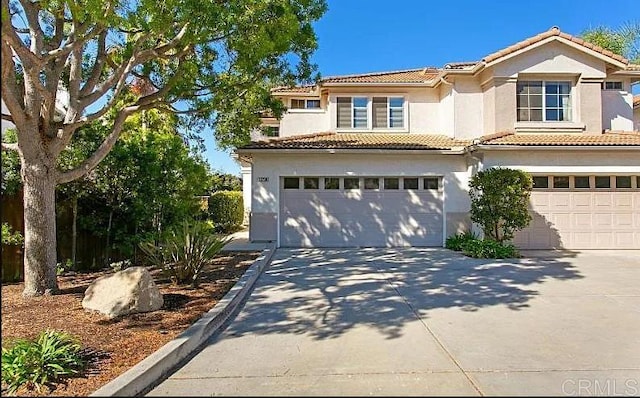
column 361, row 141
column 554, row 31
column 460, row 65
column 606, row 139
column 633, row 67
column 636, row 101
column 403, row 76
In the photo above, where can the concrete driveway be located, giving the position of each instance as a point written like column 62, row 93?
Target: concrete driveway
column 428, row 322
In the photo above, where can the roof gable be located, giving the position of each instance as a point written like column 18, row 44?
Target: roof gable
column 554, row 34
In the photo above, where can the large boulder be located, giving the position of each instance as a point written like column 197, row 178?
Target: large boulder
column 125, row 292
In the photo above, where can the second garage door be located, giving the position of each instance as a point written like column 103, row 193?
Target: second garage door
column 361, row 211
column 583, row 212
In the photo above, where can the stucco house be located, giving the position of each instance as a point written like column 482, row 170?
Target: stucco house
column 385, row 159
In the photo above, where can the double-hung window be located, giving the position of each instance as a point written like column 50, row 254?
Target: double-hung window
column 385, row 113
column 352, row 112
column 544, row 101
column 305, row 103
column 388, row 112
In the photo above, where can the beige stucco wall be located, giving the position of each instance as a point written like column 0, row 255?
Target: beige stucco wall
column 590, row 106
column 468, row 105
column 270, row 167
column 505, row 105
column 617, row 108
column 446, row 110
column 552, row 58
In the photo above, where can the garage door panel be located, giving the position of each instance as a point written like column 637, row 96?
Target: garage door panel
column 327, row 218
column 593, row 220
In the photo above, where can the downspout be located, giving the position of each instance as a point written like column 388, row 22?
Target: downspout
column 479, row 162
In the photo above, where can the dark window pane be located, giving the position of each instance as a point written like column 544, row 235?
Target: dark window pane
column 536, row 115
column 523, row 115
column 272, row 131
column 313, row 104
column 535, row 101
column 331, row 183
column 551, row 88
column 431, row 183
column 581, row 182
column 552, row 101
column 371, row 183
column 351, row 183
column 391, row 183
column 564, row 88
column 535, row 87
column 522, row 101
column 623, row 182
column 561, row 182
column 522, row 88
column 603, row 182
column 291, row 183
column 552, row 114
column 311, row 183
column 410, row 183
column 297, row 104
column 540, row 182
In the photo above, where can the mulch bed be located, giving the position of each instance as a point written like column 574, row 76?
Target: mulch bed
column 116, row 345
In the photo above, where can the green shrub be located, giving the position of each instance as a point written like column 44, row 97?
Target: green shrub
column 499, row 201
column 64, row 267
column 455, row 242
column 9, row 237
column 185, row 251
column 487, row 248
column 226, row 209
column 33, row 364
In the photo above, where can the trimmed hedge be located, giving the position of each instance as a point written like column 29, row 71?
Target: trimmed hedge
column 226, row 210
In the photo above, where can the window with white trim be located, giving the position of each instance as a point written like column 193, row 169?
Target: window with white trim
column 388, row 112
column 271, row 131
column 305, row 104
column 543, row 101
column 352, row 112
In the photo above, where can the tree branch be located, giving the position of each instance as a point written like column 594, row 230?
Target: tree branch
column 96, row 71
column 11, row 91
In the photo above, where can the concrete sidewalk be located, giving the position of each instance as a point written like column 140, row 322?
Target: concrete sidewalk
column 428, row 322
column 241, row 243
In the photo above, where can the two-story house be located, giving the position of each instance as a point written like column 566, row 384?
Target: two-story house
column 385, row 159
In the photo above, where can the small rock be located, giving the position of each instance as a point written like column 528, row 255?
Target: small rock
column 125, row 292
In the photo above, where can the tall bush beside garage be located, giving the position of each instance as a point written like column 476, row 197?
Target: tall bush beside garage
column 499, row 202
column 226, row 210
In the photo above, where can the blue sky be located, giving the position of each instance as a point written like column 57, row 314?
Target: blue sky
column 357, row 36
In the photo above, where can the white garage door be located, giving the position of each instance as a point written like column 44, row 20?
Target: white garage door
column 583, row 212
column 360, row 211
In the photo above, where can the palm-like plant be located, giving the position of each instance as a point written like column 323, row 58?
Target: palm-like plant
column 624, row 40
column 185, row 251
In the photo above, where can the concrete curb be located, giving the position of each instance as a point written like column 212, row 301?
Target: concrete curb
column 157, row 366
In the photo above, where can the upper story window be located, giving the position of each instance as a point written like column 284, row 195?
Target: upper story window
column 305, row 104
column 388, row 112
column 613, row 86
column 272, row 131
column 544, row 101
column 370, row 113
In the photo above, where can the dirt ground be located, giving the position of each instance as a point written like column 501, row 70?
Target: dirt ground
column 116, row 345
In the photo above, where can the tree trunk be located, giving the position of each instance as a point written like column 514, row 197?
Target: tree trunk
column 74, row 230
column 108, row 248
column 39, row 228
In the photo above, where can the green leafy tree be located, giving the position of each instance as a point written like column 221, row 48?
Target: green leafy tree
column 499, row 202
column 11, row 181
column 225, row 182
column 65, row 64
column 624, row 40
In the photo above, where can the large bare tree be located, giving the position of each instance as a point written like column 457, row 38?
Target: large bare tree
column 66, row 63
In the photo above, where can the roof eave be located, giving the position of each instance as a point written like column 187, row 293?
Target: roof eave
column 549, row 39
column 385, row 84
column 457, row 151
column 508, row 147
